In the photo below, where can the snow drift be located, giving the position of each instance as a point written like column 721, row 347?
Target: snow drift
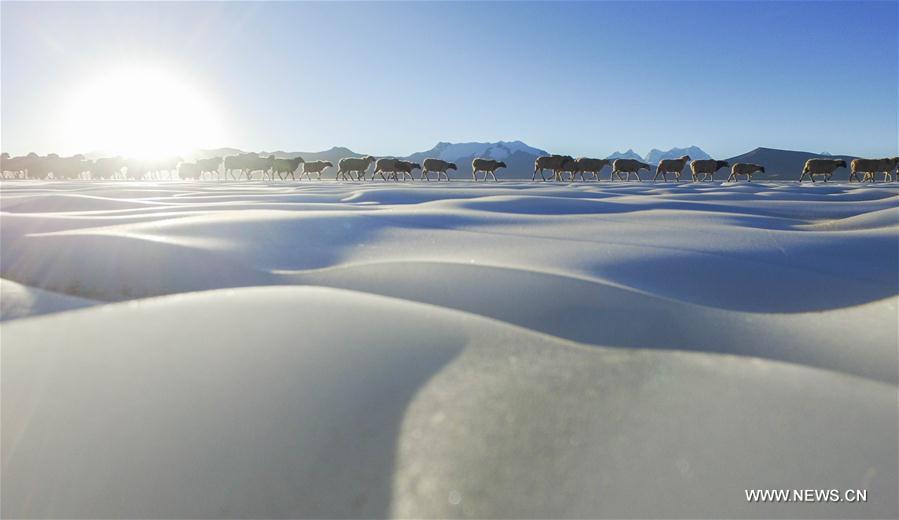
column 518, row 350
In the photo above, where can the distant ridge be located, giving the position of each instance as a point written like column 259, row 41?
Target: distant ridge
column 695, row 152
column 629, row 154
column 779, row 164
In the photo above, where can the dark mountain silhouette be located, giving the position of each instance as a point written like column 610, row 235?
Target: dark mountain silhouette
column 786, row 164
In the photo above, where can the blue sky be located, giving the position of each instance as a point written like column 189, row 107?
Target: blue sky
column 394, row 78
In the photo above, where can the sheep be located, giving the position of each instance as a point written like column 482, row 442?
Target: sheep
column 209, row 165
column 169, row 165
column 746, row 169
column 188, row 170
column 870, row 168
column 824, row 167
column 628, row 166
column 135, row 169
column 347, row 166
column 385, row 165
column 556, row 163
column 706, row 168
column 42, row 167
column 588, row 165
column 247, row 163
column 405, row 168
column 436, row 165
column 234, row 162
column 17, row 166
column 107, row 168
column 286, row 167
column 69, row 167
column 258, row 163
column 5, row 164
column 675, row 166
column 488, row 166
column 316, row 167
column 61, row 167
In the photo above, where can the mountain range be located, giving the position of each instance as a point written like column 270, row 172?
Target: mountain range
column 779, row 164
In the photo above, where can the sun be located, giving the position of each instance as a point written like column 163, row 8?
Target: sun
column 140, row 112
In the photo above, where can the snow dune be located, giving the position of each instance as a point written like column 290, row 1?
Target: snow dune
column 512, row 350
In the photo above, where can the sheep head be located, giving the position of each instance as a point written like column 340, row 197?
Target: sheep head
column 452, row 166
column 721, row 164
column 501, row 164
column 841, row 163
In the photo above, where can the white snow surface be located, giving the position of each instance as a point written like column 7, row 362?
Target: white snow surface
column 455, row 350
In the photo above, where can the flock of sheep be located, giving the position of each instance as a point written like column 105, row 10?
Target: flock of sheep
column 236, row 167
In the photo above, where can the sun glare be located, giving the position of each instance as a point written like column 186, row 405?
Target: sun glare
column 140, row 112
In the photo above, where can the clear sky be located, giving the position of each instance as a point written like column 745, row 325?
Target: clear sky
column 395, row 78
